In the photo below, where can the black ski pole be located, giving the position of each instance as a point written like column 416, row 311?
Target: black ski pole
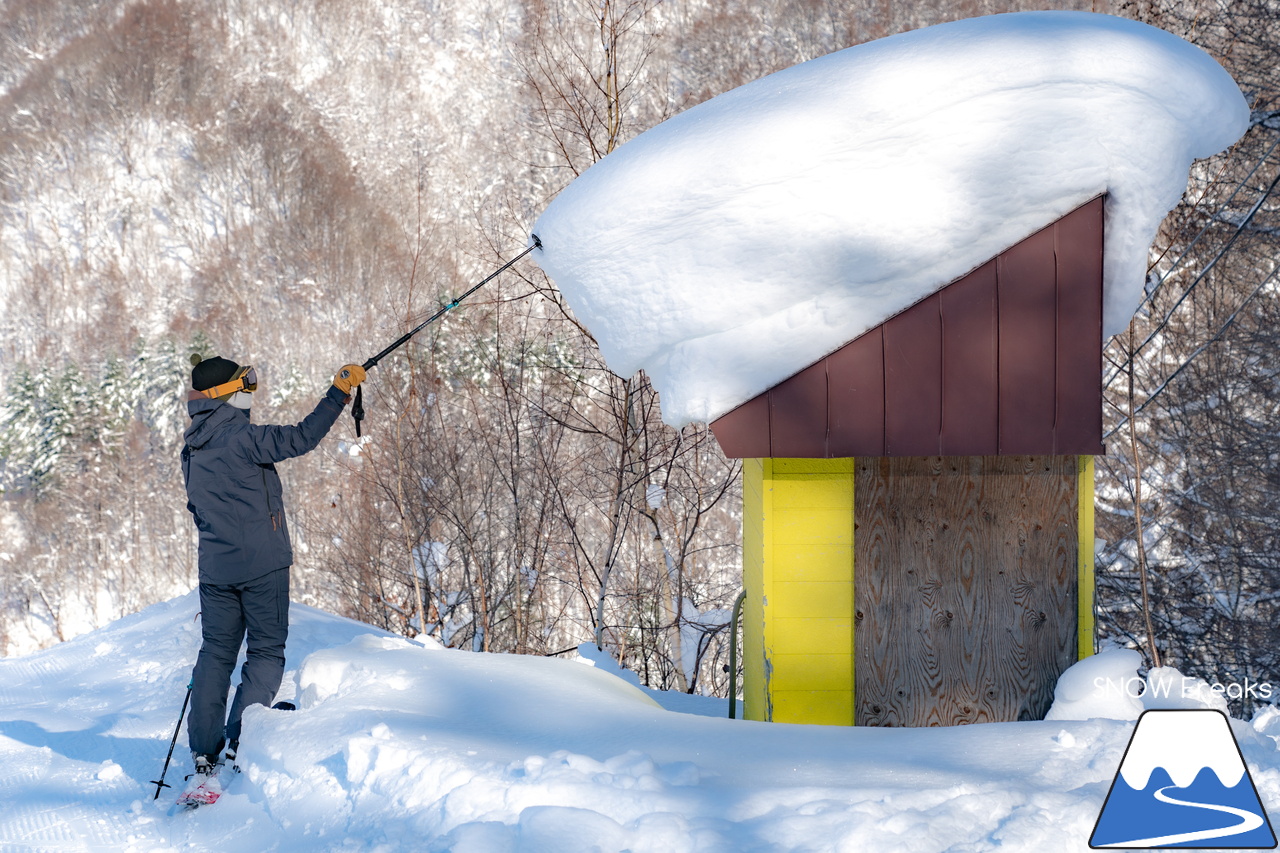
column 357, row 407
column 159, row 783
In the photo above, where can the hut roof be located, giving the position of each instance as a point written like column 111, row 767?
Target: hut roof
column 757, row 233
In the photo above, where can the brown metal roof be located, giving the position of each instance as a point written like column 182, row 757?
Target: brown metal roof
column 1005, row 360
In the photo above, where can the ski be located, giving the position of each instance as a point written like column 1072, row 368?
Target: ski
column 203, row 789
column 206, row 786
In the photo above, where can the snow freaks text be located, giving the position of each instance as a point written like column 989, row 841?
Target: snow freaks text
column 1185, row 688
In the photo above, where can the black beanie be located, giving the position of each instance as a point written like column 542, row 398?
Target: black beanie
column 210, row 372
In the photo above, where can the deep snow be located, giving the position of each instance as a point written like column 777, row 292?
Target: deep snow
column 746, row 238
column 399, row 745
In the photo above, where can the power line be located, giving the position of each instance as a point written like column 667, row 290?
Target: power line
column 1151, row 292
column 1201, row 276
column 1200, row 349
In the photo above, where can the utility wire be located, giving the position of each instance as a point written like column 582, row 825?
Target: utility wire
column 1151, row 292
column 1200, row 349
column 1200, row 277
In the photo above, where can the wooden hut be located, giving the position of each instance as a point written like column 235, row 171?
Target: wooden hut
column 918, row 525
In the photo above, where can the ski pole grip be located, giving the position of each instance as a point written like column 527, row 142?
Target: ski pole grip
column 357, row 408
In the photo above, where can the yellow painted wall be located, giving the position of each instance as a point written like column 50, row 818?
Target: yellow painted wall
column 798, row 572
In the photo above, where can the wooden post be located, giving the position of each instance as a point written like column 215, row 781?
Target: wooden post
column 1085, row 557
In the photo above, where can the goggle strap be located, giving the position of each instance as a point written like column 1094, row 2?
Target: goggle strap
column 239, row 383
column 225, row 388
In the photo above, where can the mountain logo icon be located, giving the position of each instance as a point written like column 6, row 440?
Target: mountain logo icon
column 1183, row 783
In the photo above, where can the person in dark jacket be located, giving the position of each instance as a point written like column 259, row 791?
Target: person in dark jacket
column 234, row 495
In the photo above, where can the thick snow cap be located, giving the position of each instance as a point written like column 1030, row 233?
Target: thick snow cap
column 746, row 238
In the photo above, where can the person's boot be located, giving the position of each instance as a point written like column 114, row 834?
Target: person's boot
column 203, row 786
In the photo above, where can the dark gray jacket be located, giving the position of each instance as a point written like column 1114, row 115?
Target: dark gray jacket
column 233, row 490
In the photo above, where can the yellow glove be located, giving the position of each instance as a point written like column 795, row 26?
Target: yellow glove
column 349, row 377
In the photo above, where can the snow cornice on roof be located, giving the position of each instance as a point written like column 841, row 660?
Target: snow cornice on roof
column 747, row 238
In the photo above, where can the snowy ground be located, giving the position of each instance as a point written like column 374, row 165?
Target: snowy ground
column 400, row 746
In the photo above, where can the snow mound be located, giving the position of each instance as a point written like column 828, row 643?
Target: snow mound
column 1108, row 686
column 591, row 655
column 1103, row 686
column 744, row 239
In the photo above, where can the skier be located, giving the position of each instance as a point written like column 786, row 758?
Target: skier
column 235, row 497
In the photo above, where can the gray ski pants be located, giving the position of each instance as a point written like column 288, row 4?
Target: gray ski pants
column 259, row 609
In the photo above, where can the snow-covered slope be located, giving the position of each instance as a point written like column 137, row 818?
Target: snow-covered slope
column 741, row 241
column 401, row 746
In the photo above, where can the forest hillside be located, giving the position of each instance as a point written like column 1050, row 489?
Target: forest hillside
column 294, row 185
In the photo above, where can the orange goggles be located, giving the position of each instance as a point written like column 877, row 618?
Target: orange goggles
column 246, row 379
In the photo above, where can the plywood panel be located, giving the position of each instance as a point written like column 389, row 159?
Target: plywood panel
column 1085, row 555
column 965, row 602
column 876, row 627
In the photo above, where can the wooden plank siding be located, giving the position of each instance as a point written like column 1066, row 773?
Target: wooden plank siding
column 1005, row 360
column 757, row 577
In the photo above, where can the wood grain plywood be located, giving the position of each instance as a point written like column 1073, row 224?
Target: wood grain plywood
column 964, row 593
